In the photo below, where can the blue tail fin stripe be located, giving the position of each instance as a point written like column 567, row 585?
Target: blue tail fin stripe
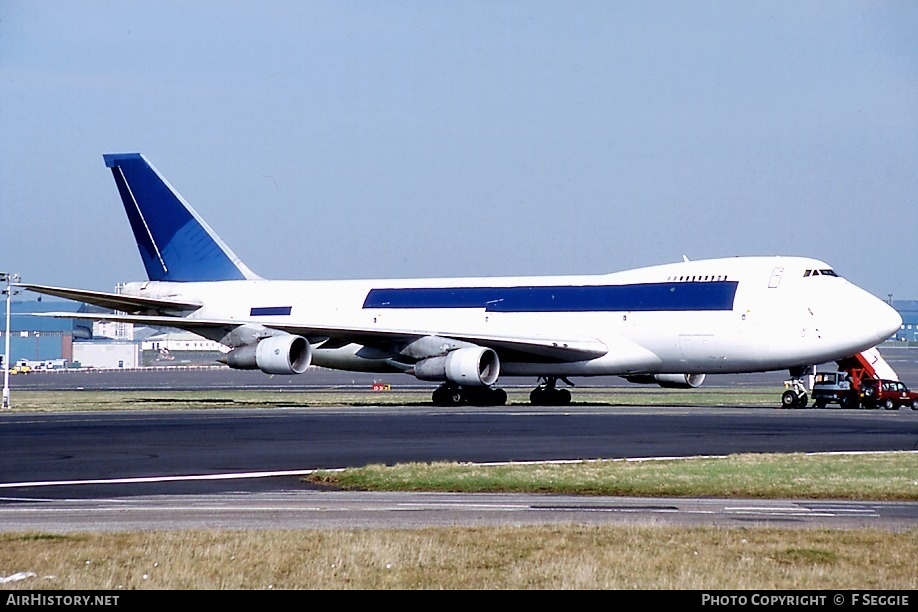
column 175, row 244
column 139, row 225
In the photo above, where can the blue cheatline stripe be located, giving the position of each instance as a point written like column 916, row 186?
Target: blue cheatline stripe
column 715, row 295
column 270, row 311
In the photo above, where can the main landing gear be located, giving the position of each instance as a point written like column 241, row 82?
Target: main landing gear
column 451, row 394
column 546, row 394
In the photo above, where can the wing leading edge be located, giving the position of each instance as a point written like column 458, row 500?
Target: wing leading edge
column 557, row 349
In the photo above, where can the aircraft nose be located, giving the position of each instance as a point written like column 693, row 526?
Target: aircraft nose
column 863, row 320
column 886, row 320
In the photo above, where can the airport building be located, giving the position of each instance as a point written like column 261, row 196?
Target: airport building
column 49, row 342
column 908, row 333
column 36, row 338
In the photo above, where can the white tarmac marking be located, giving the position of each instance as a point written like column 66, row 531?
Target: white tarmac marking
column 148, row 479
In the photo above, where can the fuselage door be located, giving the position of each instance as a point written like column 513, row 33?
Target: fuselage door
column 698, row 347
column 776, row 276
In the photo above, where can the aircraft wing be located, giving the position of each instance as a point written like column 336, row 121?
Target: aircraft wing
column 115, row 301
column 573, row 348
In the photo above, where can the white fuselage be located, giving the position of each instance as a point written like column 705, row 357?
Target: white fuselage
column 780, row 316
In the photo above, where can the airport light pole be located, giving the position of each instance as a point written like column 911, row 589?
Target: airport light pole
column 10, row 279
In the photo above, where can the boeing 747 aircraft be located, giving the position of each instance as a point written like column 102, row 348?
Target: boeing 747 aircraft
column 667, row 324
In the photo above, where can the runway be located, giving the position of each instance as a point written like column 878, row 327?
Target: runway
column 305, row 509
column 82, row 446
column 241, row 468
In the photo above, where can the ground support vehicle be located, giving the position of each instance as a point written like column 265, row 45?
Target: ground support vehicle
column 890, row 394
column 863, row 380
column 841, row 387
column 835, row 388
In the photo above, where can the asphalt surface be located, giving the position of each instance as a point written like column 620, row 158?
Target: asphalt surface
column 290, row 509
column 164, row 469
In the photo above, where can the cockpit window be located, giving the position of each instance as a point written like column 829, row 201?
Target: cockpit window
column 823, row 272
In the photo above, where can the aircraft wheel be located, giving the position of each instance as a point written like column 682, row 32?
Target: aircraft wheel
column 788, row 399
column 485, row 396
column 447, row 395
column 801, row 401
column 540, row 396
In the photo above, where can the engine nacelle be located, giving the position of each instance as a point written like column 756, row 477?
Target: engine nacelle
column 670, row 381
column 472, row 366
column 286, row 354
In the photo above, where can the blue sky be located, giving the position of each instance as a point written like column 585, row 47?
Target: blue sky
column 401, row 139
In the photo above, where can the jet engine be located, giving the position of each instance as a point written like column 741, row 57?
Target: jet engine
column 285, row 354
column 670, row 381
column 472, row 366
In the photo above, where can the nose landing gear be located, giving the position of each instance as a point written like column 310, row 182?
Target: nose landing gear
column 795, row 395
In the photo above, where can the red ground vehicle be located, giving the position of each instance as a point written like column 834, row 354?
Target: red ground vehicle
column 890, row 394
column 862, row 380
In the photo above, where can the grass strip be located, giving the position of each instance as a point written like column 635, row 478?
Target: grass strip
column 855, row 476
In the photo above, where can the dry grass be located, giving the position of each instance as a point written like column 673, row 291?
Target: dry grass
column 531, row 557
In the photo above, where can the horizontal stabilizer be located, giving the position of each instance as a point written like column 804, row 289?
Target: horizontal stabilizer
column 116, row 301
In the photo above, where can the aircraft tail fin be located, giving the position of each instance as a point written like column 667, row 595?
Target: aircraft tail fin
column 175, row 243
